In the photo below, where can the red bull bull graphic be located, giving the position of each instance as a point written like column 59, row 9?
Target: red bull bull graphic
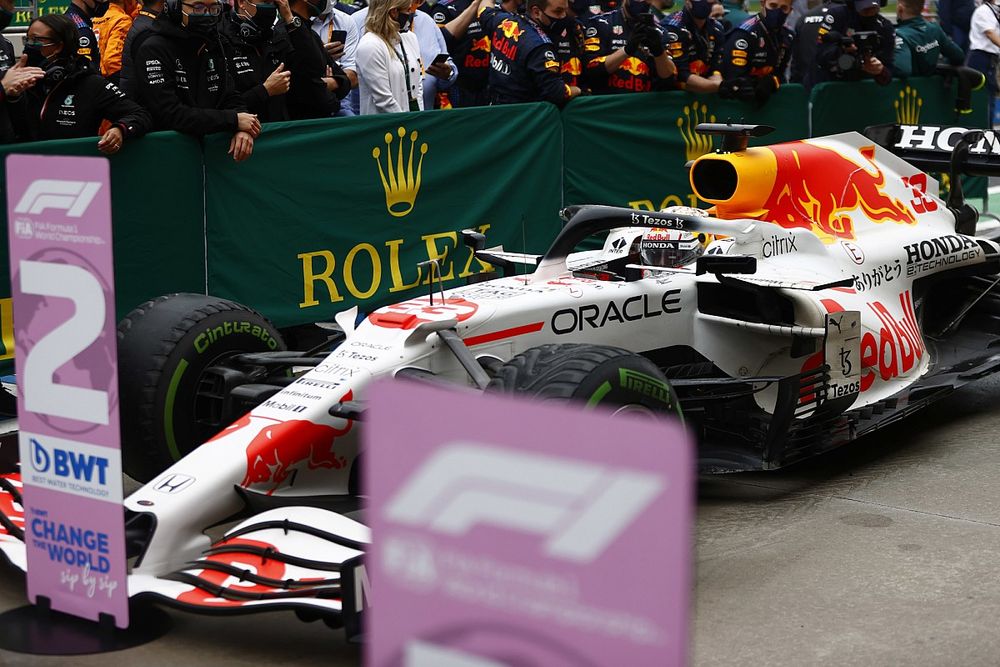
column 510, row 29
column 408, row 314
column 818, row 188
column 278, row 448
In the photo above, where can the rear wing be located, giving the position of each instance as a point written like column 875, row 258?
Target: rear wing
column 931, row 147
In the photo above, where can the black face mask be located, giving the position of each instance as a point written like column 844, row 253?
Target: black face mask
column 404, row 20
column 34, row 56
column 774, row 18
column 701, row 9
column 100, row 9
column 6, row 18
column 868, row 22
column 265, row 16
column 203, row 25
column 557, row 27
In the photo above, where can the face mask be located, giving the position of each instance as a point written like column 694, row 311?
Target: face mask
column 34, row 55
column 100, row 9
column 203, row 25
column 700, row 9
column 557, row 27
column 404, row 21
column 6, row 18
column 868, row 22
column 774, row 18
column 265, row 16
column 636, row 8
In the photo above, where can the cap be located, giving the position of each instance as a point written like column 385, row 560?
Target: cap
column 861, row 5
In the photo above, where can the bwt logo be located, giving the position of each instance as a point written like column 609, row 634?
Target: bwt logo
column 580, row 507
column 64, row 463
column 71, row 196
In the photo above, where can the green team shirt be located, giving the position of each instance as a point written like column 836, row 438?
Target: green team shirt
column 918, row 45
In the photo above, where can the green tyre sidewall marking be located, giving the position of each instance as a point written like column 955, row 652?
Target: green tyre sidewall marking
column 168, row 410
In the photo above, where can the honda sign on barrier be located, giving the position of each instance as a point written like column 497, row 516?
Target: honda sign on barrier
column 508, row 532
column 59, row 209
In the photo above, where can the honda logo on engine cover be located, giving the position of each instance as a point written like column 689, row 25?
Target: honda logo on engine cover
column 579, row 507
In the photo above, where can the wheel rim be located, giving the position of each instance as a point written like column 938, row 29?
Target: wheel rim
column 635, row 410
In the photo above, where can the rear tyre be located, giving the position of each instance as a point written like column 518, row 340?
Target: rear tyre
column 164, row 347
column 595, row 375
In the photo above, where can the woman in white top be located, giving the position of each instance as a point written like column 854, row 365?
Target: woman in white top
column 390, row 73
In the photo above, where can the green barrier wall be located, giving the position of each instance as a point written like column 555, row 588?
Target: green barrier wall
column 630, row 150
column 329, row 214
column 156, row 199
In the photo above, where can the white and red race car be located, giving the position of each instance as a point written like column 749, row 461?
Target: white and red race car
column 841, row 293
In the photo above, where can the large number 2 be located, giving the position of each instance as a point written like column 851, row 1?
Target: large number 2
column 41, row 393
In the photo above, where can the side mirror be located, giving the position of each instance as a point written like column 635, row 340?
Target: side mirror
column 474, row 240
column 725, row 264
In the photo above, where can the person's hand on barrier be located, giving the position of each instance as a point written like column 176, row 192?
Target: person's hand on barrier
column 241, row 146
column 741, row 88
column 873, row 66
column 249, row 123
column 111, row 142
column 20, row 77
column 765, row 87
column 334, row 49
column 279, row 81
column 441, row 71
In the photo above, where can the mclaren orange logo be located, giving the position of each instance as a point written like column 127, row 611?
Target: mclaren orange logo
column 818, row 188
column 511, row 29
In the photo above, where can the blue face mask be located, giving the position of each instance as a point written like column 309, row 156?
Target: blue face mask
column 774, row 18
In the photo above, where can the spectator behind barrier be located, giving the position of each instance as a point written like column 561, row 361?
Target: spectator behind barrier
column 343, row 53
column 17, row 79
column 625, row 51
column 111, row 30
column 141, row 25
column 70, row 100
column 955, row 17
column 390, row 72
column 318, row 83
column 83, row 13
column 919, row 43
column 523, row 57
column 255, row 55
column 437, row 78
column 570, row 48
column 756, row 54
column 182, row 77
column 857, row 44
column 694, row 40
column 984, row 46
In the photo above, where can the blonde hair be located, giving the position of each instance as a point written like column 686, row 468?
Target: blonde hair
column 380, row 23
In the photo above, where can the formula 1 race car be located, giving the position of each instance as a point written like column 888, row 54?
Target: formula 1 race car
column 838, row 293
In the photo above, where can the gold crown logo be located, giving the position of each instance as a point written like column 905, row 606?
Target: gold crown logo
column 401, row 185
column 695, row 143
column 908, row 106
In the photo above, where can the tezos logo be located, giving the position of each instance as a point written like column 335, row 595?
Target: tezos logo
column 65, row 463
column 74, row 197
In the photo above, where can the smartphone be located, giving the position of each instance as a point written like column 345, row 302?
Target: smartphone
column 440, row 59
column 338, row 36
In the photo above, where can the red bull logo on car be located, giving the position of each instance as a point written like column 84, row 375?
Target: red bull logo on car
column 819, row 188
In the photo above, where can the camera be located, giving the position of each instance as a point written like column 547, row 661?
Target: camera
column 867, row 42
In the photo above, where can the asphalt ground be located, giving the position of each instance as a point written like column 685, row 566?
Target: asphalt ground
column 882, row 553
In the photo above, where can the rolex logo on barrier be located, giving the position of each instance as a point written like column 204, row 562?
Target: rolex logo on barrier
column 399, row 181
column 695, row 143
column 908, row 106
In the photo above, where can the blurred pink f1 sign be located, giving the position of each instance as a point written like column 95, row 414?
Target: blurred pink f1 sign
column 515, row 533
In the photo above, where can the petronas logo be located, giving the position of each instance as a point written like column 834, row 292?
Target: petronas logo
column 399, row 181
column 695, row 143
column 908, row 106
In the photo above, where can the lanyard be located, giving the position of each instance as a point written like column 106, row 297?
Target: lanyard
column 405, row 62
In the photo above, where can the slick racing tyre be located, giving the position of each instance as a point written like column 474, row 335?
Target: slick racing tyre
column 164, row 347
column 595, row 375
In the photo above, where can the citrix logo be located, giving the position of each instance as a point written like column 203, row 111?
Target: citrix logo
column 579, row 507
column 74, row 197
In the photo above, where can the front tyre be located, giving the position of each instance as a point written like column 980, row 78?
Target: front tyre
column 595, row 375
column 164, row 347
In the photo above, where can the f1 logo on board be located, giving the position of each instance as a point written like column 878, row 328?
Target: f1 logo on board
column 71, row 196
column 579, row 507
